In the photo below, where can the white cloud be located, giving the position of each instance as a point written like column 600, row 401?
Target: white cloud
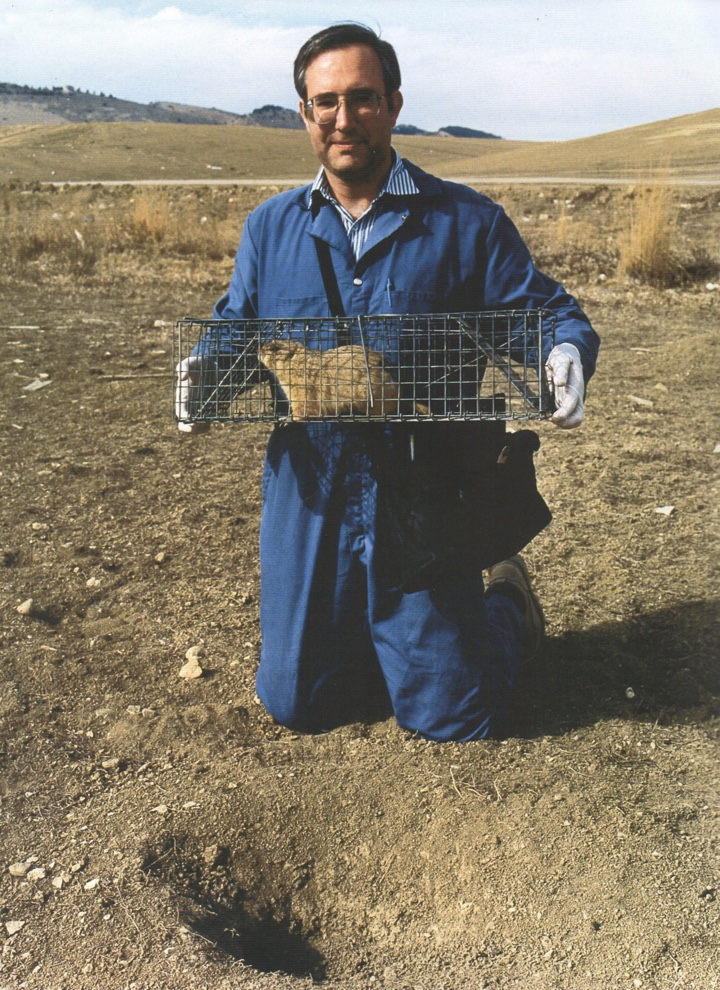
column 541, row 69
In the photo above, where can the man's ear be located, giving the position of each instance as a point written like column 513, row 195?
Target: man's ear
column 395, row 102
column 301, row 108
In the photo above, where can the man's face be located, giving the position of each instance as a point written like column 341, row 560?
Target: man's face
column 355, row 150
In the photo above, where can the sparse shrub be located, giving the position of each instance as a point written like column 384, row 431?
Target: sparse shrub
column 571, row 249
column 647, row 249
column 150, row 218
column 700, row 265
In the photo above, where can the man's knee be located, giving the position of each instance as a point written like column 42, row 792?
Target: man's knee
column 455, row 726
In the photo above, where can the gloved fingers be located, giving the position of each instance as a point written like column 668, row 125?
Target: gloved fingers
column 188, row 372
column 557, row 369
column 186, row 427
column 570, row 409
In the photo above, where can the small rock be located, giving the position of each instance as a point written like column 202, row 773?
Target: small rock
column 37, row 874
column 665, row 510
column 92, row 582
column 712, row 286
column 13, row 927
column 76, row 867
column 110, row 764
column 160, row 809
column 192, row 668
column 18, row 869
column 646, row 403
column 716, row 448
column 160, row 557
column 629, row 693
column 91, row 884
column 133, row 709
column 26, row 607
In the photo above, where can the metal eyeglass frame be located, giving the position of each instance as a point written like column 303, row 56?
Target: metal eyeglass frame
column 348, row 100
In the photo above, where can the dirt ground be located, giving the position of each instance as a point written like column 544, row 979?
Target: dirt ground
column 158, row 832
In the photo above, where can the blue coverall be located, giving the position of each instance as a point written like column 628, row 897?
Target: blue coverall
column 335, row 628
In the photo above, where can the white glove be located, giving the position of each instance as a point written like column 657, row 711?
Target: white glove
column 189, row 390
column 564, row 372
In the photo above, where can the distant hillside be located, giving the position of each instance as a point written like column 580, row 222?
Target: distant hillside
column 682, row 147
column 67, row 105
column 450, row 131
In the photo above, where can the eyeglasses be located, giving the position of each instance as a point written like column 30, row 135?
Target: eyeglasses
column 362, row 103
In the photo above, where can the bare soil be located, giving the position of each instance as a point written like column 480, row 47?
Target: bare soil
column 168, row 834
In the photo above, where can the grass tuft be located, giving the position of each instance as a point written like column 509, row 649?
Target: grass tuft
column 647, row 249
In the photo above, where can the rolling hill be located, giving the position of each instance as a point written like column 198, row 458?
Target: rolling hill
column 686, row 147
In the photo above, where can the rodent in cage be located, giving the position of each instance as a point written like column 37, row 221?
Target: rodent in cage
column 334, row 382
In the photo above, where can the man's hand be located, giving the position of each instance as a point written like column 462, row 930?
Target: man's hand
column 564, row 372
column 189, row 391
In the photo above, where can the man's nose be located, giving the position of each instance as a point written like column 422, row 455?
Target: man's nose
column 343, row 117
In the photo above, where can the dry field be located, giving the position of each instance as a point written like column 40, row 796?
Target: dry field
column 682, row 147
column 163, row 833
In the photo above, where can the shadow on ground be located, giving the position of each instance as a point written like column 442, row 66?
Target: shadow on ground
column 659, row 666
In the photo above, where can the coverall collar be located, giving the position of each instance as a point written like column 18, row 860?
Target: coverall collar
column 396, row 208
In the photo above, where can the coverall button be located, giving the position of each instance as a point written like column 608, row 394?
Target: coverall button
column 357, row 281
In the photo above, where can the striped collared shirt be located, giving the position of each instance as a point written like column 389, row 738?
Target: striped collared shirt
column 399, row 183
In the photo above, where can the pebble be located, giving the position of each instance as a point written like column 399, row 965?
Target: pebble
column 665, row 510
column 26, row 607
column 160, row 809
column 13, row 927
column 92, row 582
column 629, row 693
column 192, row 668
column 133, row 709
column 110, row 764
column 640, row 401
column 36, row 874
column 91, row 884
column 18, row 869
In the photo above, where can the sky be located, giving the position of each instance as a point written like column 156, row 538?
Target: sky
column 523, row 69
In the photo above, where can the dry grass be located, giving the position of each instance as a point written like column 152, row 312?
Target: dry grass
column 647, row 249
column 655, row 249
column 575, row 234
column 76, row 230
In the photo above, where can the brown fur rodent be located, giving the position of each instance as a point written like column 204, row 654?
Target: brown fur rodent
column 332, row 382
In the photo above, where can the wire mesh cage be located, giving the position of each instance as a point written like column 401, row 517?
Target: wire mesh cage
column 442, row 366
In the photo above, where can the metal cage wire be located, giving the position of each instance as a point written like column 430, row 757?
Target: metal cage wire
column 442, row 366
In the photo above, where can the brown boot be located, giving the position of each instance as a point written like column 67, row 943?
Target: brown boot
column 511, row 577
